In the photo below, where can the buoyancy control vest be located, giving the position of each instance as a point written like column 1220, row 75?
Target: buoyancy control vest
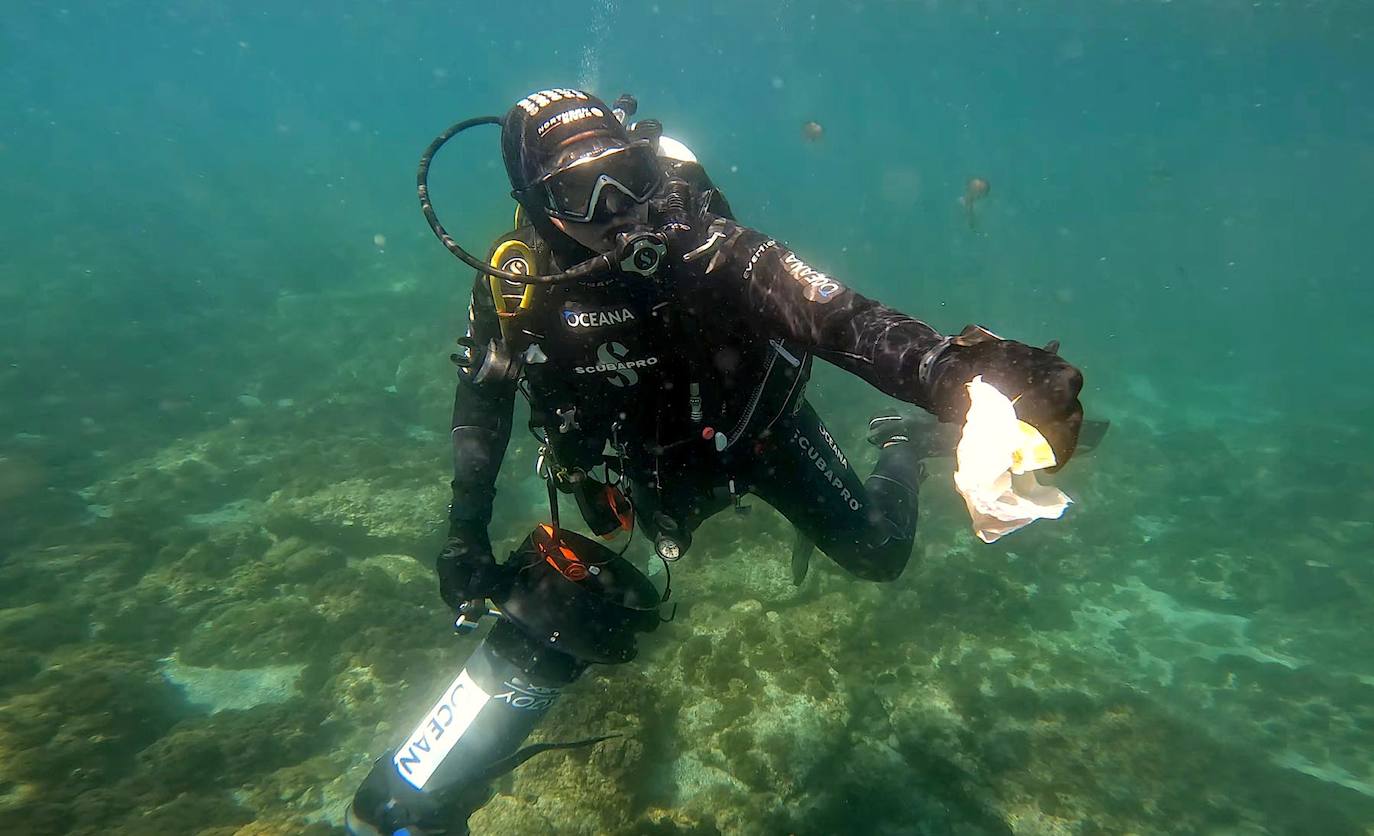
column 621, row 360
column 597, row 356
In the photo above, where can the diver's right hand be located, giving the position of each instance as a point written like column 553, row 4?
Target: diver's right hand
column 466, row 568
column 1043, row 385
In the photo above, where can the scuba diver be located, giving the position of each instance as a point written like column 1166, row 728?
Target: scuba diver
column 664, row 349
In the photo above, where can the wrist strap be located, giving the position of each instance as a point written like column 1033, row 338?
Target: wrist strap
column 927, row 365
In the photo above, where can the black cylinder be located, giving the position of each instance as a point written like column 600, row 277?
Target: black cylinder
column 480, row 719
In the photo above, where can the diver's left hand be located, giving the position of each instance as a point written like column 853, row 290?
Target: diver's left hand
column 689, row 234
column 1044, row 386
column 696, row 241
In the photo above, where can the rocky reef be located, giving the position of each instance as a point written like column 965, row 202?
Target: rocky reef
column 215, row 625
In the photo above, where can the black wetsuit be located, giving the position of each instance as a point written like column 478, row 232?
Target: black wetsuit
column 719, row 346
column 693, row 382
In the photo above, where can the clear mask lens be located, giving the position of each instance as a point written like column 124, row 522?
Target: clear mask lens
column 573, row 192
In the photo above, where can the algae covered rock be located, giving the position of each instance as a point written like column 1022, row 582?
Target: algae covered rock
column 553, row 786
column 364, row 507
column 255, row 633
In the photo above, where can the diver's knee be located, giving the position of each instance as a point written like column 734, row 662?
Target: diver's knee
column 885, row 563
column 885, row 573
column 879, row 575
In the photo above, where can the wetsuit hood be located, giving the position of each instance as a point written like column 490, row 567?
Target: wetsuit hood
column 546, row 130
column 539, row 132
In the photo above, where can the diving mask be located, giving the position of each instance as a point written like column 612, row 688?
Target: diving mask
column 573, row 192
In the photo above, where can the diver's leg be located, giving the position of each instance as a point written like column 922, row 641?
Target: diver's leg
column 903, row 443
column 867, row 527
column 438, row 775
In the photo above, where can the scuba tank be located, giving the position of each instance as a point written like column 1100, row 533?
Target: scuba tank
column 574, row 603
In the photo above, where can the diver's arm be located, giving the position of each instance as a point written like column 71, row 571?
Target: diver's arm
column 481, row 422
column 481, row 430
column 901, row 356
column 862, row 336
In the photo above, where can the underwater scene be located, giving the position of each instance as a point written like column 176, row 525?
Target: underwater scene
column 226, row 396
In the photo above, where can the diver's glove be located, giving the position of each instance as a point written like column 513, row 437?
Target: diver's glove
column 1044, row 387
column 467, row 571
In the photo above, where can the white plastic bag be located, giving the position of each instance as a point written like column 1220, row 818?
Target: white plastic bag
column 996, row 461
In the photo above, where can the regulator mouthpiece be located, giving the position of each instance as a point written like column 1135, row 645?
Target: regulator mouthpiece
column 641, row 252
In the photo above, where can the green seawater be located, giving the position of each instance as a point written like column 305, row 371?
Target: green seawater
column 225, row 392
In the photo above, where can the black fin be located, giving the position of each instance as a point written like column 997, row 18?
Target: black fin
column 511, row 761
column 802, row 549
column 1052, row 346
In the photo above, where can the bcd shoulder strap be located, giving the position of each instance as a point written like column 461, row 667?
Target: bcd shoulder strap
column 518, row 251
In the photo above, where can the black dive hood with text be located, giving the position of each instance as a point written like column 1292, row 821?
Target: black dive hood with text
column 533, row 134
